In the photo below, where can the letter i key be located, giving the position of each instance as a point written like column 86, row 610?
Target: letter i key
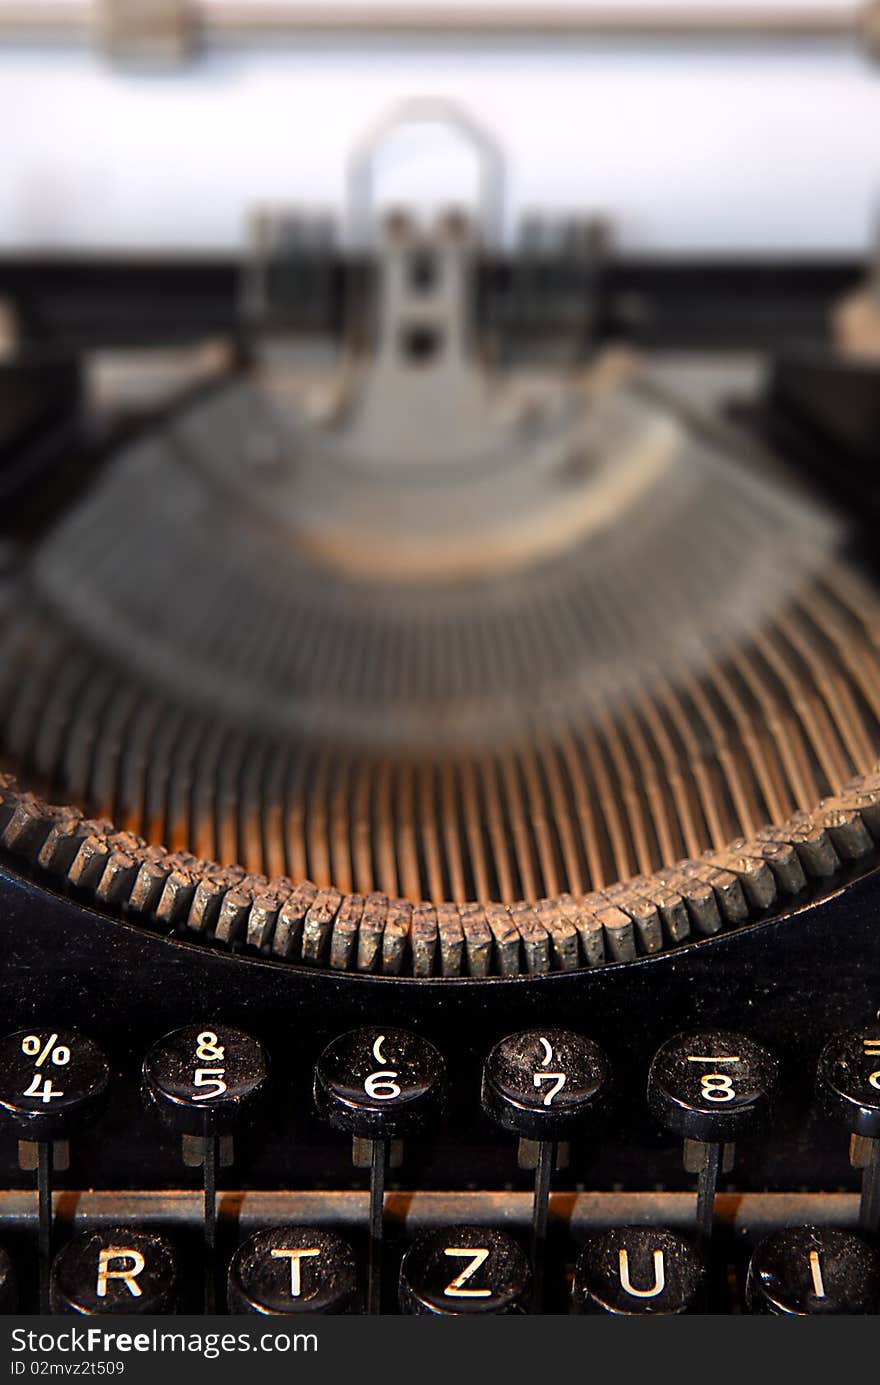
column 205, row 1082
column 52, row 1083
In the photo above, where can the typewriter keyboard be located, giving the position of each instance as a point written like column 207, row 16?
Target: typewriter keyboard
column 546, row 1237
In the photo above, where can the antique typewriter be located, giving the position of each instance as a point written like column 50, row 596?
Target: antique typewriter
column 441, row 779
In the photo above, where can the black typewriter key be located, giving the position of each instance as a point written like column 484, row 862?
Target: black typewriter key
column 52, row 1083
column 115, row 1270
column 292, row 1269
column 8, row 1284
column 465, row 1269
column 848, row 1082
column 809, row 1270
column 634, row 1270
column 546, row 1086
column 711, row 1087
column 205, row 1081
column 378, row 1085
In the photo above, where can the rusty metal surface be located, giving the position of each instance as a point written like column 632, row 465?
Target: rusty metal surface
column 325, row 927
column 748, row 1214
column 645, row 709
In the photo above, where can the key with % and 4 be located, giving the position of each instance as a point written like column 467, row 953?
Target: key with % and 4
column 33, row 1046
column 43, row 1112
column 51, row 1082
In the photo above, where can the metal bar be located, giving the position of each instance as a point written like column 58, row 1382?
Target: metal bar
column 214, row 22
column 706, row 1185
column 44, row 1220
column 608, row 19
column 378, row 1159
column 869, row 1211
column 210, row 1216
column 540, row 1212
column 745, row 1213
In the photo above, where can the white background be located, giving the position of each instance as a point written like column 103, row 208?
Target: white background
column 689, row 147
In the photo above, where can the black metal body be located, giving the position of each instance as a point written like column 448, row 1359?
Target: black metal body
column 756, row 304
column 790, row 983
